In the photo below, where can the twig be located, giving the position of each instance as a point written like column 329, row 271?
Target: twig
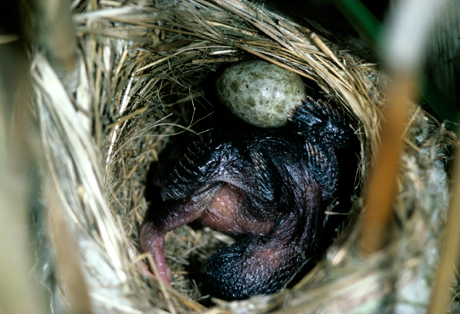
column 57, row 36
column 382, row 187
column 69, row 267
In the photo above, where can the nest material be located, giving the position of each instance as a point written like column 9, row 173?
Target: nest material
column 140, row 81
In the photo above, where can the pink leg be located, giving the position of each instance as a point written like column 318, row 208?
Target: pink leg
column 170, row 217
column 153, row 243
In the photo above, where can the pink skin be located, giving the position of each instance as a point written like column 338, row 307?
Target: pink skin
column 154, row 244
column 278, row 184
column 220, row 209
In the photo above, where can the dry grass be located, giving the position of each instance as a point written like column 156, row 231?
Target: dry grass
column 138, row 83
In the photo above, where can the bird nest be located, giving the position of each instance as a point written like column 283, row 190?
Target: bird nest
column 141, row 81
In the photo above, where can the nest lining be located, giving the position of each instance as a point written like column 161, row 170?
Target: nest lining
column 140, row 71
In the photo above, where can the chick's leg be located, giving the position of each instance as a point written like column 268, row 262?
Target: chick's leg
column 174, row 215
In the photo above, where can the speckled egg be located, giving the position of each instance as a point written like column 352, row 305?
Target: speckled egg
column 260, row 92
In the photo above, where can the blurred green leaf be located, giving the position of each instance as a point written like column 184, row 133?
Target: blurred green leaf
column 371, row 30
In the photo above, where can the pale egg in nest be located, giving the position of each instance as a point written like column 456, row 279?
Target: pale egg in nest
column 259, row 92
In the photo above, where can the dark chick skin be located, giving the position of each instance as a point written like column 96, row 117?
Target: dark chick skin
column 273, row 185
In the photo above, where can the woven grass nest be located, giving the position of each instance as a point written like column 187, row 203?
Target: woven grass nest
column 140, row 82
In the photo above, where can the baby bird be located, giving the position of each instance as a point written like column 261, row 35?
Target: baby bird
column 274, row 185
